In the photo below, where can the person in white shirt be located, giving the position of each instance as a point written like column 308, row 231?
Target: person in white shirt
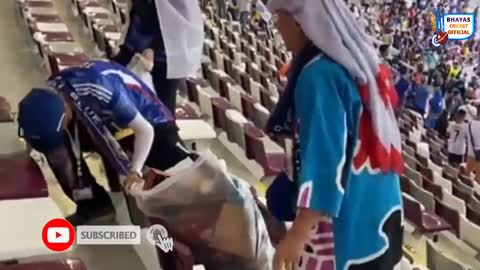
column 473, row 159
column 471, row 111
column 457, row 139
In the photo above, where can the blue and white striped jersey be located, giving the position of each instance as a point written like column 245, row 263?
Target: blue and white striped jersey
column 113, row 93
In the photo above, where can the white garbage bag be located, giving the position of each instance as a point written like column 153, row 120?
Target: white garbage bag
column 215, row 213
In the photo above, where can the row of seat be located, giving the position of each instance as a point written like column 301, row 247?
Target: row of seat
column 436, row 196
column 54, row 42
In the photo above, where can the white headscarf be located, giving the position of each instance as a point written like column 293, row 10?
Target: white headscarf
column 182, row 31
column 331, row 26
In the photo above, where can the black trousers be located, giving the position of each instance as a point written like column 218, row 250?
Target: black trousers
column 166, row 89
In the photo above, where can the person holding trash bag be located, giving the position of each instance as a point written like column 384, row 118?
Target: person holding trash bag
column 339, row 104
column 92, row 102
column 211, row 213
column 174, row 30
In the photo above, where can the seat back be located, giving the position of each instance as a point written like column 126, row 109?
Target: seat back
column 470, row 233
column 412, row 209
column 435, row 189
column 253, row 137
column 444, row 183
column 448, row 214
column 473, row 215
column 413, row 175
column 454, row 203
column 235, row 122
column 437, row 260
column 425, row 197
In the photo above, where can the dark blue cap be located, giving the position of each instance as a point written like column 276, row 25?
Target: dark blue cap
column 40, row 119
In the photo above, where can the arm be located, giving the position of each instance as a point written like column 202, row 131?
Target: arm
column 126, row 114
column 144, row 135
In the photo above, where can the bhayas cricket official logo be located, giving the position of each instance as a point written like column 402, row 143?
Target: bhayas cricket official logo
column 452, row 26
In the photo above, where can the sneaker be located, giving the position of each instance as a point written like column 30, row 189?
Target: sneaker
column 100, row 216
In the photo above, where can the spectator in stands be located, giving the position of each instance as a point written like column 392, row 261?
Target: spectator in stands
column 402, row 85
column 435, row 107
column 473, row 154
column 457, row 139
column 453, row 102
column 327, row 92
column 471, row 111
column 421, row 97
column 244, row 8
column 221, row 7
column 175, row 58
column 93, row 102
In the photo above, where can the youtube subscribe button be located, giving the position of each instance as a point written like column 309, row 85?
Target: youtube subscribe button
column 58, row 235
column 108, row 235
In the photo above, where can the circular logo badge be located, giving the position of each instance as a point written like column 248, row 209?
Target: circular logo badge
column 435, row 41
column 58, row 235
column 155, row 233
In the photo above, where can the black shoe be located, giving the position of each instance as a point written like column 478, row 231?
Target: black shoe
column 101, row 215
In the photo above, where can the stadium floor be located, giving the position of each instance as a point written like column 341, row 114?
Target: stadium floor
column 20, row 69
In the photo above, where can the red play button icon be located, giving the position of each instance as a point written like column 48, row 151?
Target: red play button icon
column 58, row 235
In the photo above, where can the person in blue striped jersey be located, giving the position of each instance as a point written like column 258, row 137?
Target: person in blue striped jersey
column 89, row 104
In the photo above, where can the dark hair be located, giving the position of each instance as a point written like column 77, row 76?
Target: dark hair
column 461, row 113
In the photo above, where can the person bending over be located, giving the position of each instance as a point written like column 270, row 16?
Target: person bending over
column 87, row 105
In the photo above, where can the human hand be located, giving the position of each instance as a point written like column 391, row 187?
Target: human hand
column 132, row 178
column 289, row 250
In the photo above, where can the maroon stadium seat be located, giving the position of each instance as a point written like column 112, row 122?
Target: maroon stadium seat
column 20, row 177
column 67, row 264
column 461, row 193
column 473, row 215
column 450, row 215
column 56, row 60
column 425, row 222
column 435, row 189
column 220, row 105
column 248, row 106
column 252, row 133
column 272, row 162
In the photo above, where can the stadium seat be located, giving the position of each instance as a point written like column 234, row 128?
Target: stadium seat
column 59, row 61
column 475, row 203
column 462, row 191
column 424, row 221
column 425, row 197
column 413, row 175
column 220, row 106
column 235, row 96
column 437, row 260
column 20, row 178
column 470, row 233
column 449, row 215
column 261, row 115
column 444, row 183
column 436, row 190
column 409, row 160
column 235, row 122
column 65, row 264
column 409, row 150
column 473, row 215
column 248, row 106
column 454, row 203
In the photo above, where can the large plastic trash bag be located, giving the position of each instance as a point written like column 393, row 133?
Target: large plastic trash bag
column 214, row 214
